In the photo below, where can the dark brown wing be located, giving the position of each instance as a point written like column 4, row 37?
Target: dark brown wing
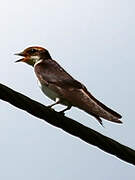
column 52, row 74
column 51, row 71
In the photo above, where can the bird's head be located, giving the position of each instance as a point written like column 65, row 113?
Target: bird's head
column 33, row 54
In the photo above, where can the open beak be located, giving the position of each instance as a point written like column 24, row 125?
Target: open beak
column 20, row 54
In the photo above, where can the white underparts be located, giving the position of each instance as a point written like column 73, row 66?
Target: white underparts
column 52, row 94
column 48, row 92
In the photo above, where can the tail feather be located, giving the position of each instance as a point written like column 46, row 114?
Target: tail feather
column 100, row 110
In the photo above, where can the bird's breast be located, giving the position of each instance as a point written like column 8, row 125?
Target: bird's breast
column 52, row 95
column 48, row 92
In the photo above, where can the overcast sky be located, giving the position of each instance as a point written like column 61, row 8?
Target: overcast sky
column 94, row 40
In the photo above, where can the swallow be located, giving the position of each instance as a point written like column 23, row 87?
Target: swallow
column 62, row 88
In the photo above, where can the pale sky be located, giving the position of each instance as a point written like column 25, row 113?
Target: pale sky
column 94, row 41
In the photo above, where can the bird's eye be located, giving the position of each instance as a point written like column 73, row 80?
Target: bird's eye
column 32, row 50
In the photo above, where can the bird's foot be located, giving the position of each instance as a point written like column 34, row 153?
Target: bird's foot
column 49, row 106
column 63, row 111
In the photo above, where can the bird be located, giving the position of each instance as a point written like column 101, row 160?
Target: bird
column 62, row 88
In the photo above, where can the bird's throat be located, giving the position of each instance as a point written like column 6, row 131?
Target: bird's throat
column 33, row 60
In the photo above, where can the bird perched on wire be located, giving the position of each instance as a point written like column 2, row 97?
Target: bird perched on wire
column 61, row 87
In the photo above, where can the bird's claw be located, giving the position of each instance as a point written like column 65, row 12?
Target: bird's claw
column 62, row 112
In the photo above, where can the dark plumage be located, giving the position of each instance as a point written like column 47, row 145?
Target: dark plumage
column 57, row 84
